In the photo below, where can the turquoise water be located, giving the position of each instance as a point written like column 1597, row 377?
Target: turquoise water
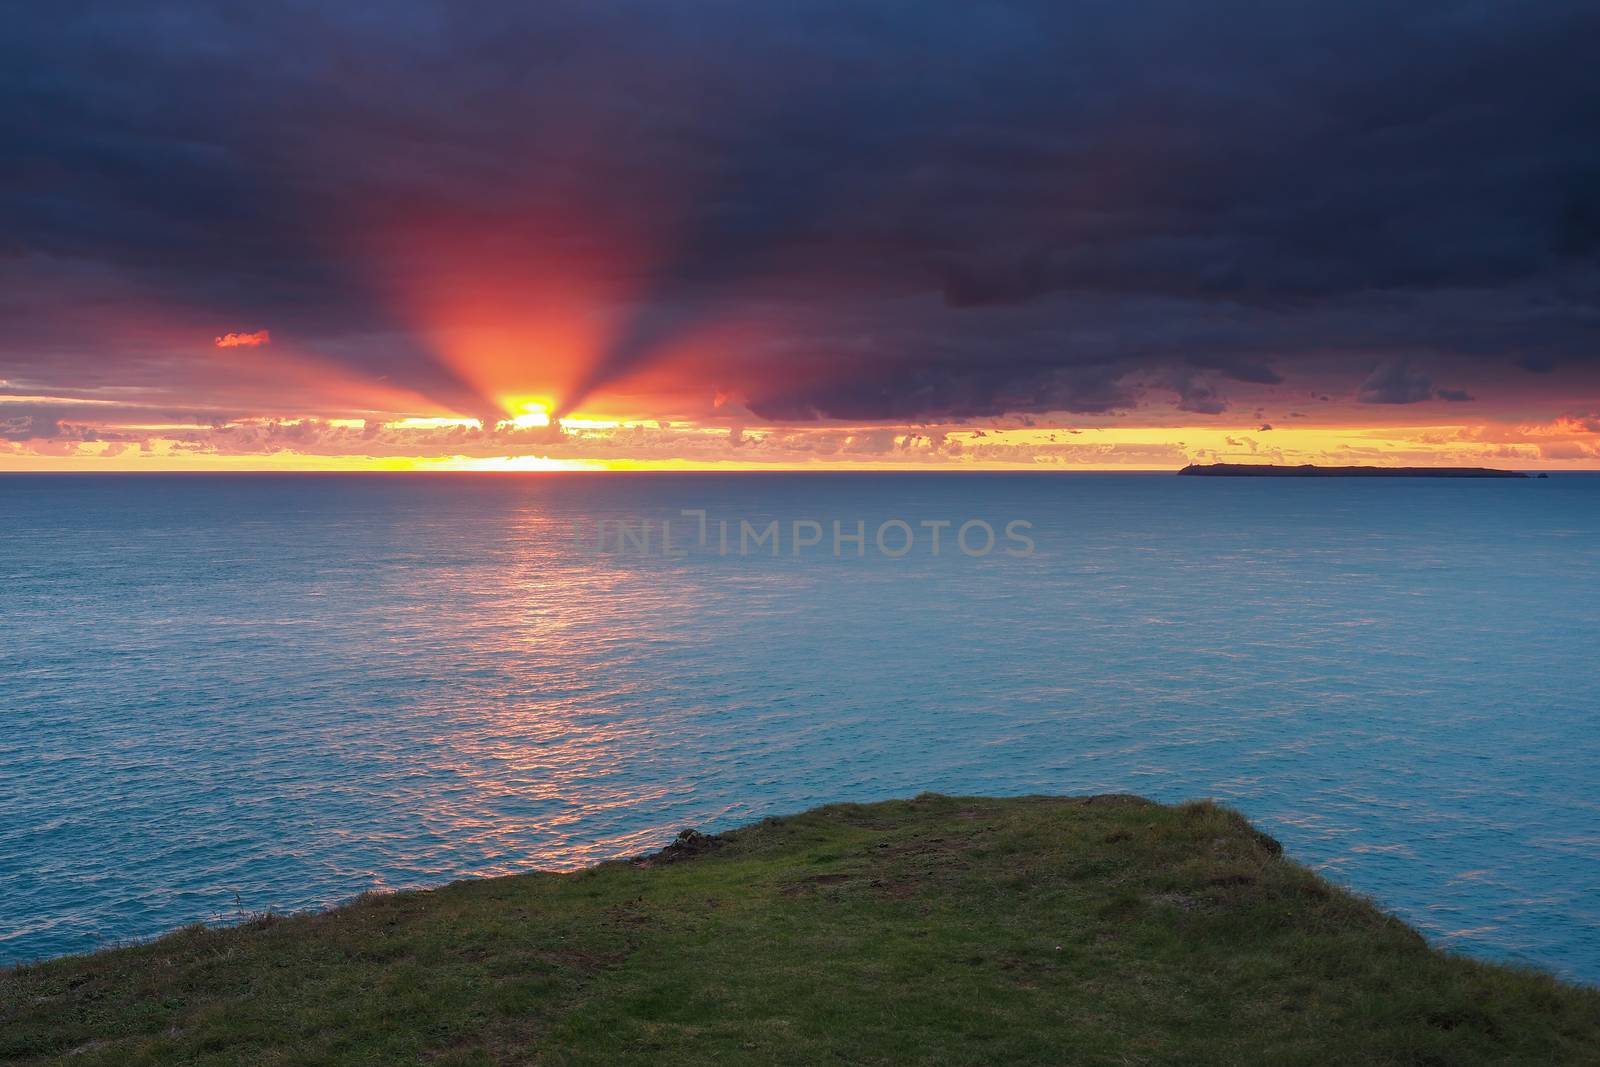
column 227, row 694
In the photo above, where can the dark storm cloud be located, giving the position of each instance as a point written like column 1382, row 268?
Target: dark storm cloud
column 1395, row 383
column 927, row 390
column 1198, row 396
column 1238, row 368
column 1025, row 206
column 1398, row 383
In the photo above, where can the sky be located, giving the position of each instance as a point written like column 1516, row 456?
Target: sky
column 707, row 234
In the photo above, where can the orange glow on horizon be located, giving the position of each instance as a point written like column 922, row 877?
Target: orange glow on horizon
column 533, row 441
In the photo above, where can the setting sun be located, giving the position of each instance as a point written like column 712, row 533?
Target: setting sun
column 531, row 414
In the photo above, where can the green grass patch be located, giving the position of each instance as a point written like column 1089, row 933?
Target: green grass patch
column 939, row 930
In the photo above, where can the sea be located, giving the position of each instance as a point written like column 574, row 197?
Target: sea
column 224, row 695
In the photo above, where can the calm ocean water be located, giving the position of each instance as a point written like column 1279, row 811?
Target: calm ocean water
column 226, row 694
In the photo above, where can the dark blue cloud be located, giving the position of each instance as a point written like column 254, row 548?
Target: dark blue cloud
column 1026, row 205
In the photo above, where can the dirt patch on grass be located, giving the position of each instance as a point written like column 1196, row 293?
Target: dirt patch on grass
column 817, row 881
column 897, row 888
column 828, row 879
column 1231, row 880
column 1180, row 901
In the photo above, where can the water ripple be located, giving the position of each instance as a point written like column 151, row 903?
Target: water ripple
column 222, row 695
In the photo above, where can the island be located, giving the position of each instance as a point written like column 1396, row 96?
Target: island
column 933, row 930
column 1311, row 470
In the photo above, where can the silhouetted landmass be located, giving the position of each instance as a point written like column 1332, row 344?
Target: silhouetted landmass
column 1311, row 470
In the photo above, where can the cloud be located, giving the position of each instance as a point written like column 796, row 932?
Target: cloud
column 1239, row 368
column 1536, row 363
column 1578, row 424
column 1568, row 450
column 244, row 340
column 1035, row 206
column 48, row 426
column 1395, row 383
column 28, row 427
column 1198, row 396
column 944, row 387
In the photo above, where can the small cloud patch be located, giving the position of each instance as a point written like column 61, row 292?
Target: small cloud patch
column 244, row 340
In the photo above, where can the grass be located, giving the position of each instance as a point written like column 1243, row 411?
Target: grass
column 938, row 930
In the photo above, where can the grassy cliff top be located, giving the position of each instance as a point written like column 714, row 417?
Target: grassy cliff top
column 1104, row 930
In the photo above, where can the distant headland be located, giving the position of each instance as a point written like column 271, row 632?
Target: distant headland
column 1311, row 470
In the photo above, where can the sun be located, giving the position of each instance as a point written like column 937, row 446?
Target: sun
column 531, row 412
